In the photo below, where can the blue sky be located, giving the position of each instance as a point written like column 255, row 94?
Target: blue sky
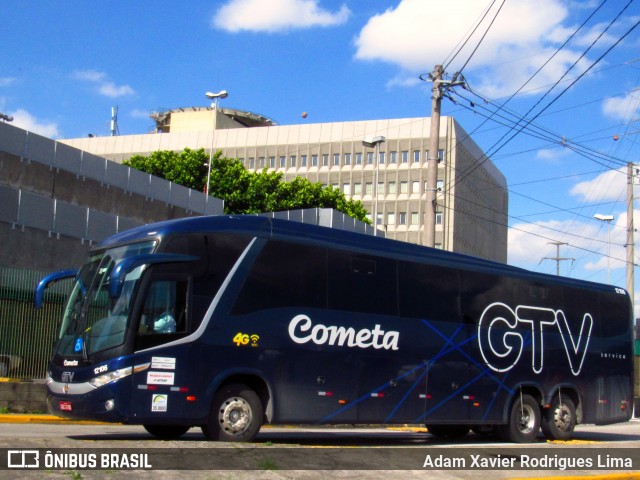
column 64, row 64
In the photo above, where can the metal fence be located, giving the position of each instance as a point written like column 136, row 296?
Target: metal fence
column 26, row 334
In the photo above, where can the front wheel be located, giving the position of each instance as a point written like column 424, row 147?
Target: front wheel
column 559, row 421
column 236, row 415
column 523, row 422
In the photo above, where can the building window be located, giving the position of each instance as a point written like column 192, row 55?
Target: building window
column 404, row 187
column 346, row 188
column 369, row 158
column 357, row 188
column 415, row 218
column 441, row 155
column 438, row 246
column 381, row 157
column 368, row 188
column 391, row 218
column 392, row 187
column 359, row 158
column 402, row 218
column 438, row 218
column 261, row 162
column 325, row 159
column 314, row 160
column 272, row 162
column 380, row 188
column 416, row 156
column 440, row 185
column 379, row 220
column 393, row 157
column 426, row 155
column 252, row 162
column 347, row 159
column 415, row 187
column 405, row 156
column 293, row 160
column 336, row 159
column 283, row 161
column 303, row 160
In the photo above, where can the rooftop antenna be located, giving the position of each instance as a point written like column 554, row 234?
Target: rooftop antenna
column 114, row 121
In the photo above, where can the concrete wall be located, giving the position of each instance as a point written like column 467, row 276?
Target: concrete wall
column 23, row 397
column 56, row 201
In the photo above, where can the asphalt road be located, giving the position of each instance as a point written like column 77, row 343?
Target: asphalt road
column 291, row 453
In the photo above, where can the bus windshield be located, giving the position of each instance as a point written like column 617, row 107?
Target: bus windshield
column 92, row 320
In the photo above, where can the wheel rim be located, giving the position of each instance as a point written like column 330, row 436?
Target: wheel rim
column 527, row 419
column 235, row 416
column 562, row 418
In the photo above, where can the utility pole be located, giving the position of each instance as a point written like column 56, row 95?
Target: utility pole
column 434, row 147
column 558, row 258
column 432, row 161
column 630, row 232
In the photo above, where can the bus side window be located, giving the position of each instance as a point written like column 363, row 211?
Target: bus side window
column 165, row 308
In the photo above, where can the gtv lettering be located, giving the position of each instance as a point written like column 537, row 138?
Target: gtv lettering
column 502, row 343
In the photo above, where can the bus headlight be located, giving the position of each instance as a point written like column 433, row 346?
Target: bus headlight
column 111, row 377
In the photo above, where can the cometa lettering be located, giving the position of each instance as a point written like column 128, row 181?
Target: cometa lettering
column 302, row 330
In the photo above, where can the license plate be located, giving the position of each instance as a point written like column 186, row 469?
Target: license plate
column 66, row 406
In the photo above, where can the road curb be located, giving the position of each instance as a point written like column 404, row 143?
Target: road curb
column 44, row 418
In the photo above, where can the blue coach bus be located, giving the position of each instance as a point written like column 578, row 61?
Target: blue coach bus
column 231, row 322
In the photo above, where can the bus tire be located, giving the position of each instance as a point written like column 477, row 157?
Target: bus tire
column 559, row 421
column 166, row 432
column 236, row 415
column 523, row 422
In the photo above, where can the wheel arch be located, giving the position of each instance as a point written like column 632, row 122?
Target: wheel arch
column 533, row 389
column 572, row 392
column 252, row 379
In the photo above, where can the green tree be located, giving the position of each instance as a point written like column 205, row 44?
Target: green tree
column 241, row 190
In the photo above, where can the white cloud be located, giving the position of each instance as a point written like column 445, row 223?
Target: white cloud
column 275, row 15
column 103, row 85
column 530, row 243
column 111, row 90
column 524, row 36
column 622, row 108
column 6, row 81
column 552, row 154
column 607, row 186
column 23, row 119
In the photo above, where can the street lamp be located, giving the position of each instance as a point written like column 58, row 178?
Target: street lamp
column 374, row 142
column 215, row 97
column 608, row 219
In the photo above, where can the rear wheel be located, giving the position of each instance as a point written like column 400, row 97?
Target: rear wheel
column 559, row 421
column 524, row 421
column 166, row 432
column 236, row 415
column 448, row 431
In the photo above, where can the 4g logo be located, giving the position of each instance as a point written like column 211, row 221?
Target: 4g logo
column 242, row 339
